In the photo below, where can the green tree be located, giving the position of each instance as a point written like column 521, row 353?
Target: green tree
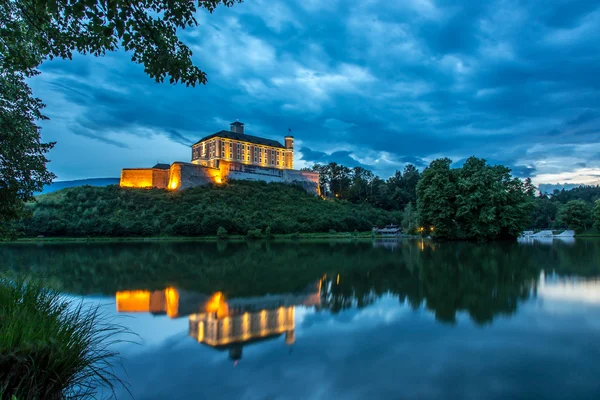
column 403, row 186
column 222, row 233
column 22, row 155
column 544, row 212
column 529, row 188
column 410, row 219
column 477, row 201
column 596, row 215
column 436, row 195
column 576, row 215
column 32, row 31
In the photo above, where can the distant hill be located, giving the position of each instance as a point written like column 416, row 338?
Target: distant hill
column 551, row 187
column 79, row 182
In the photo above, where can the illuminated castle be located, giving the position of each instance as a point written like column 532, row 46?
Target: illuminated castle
column 224, row 325
column 225, row 155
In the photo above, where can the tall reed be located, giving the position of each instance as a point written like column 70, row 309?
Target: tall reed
column 52, row 347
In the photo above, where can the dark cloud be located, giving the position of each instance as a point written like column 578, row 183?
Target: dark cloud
column 84, row 132
column 340, row 157
column 179, row 138
column 419, row 162
column 313, row 156
column 523, row 171
column 503, row 79
column 584, row 117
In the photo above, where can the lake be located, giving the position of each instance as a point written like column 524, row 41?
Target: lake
column 411, row 319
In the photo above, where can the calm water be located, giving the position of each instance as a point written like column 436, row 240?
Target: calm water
column 384, row 320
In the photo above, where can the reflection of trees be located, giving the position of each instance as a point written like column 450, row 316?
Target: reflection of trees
column 483, row 280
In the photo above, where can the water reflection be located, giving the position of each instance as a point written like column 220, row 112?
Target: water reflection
column 574, row 289
column 224, row 324
column 368, row 320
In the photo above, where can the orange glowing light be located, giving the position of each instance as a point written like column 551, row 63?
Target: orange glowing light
column 174, row 184
column 338, row 280
column 217, row 304
column 133, row 301
column 172, row 298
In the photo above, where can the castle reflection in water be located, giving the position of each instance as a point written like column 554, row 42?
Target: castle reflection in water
column 224, row 324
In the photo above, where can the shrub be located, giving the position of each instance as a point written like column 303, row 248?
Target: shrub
column 268, row 233
column 253, row 234
column 222, row 233
column 51, row 348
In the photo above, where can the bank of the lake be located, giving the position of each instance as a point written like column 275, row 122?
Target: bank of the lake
column 343, row 236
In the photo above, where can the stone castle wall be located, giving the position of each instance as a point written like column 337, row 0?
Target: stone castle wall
column 144, row 178
column 187, row 175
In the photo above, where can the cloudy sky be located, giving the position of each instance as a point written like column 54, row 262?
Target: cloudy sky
column 372, row 83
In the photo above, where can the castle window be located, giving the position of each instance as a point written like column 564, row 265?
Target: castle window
column 254, row 159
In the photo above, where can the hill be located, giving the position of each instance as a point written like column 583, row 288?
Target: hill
column 80, row 182
column 238, row 206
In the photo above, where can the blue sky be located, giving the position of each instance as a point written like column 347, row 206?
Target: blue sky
column 372, row 83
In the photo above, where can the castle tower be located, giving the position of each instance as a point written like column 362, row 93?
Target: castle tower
column 236, row 127
column 289, row 152
column 290, row 337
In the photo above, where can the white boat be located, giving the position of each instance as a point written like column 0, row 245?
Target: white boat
column 547, row 233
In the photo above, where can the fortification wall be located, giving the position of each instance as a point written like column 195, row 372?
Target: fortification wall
column 247, row 176
column 160, row 178
column 136, row 177
column 144, row 178
column 187, row 175
column 308, row 180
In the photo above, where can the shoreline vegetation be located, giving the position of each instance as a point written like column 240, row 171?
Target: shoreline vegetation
column 52, row 347
column 341, row 236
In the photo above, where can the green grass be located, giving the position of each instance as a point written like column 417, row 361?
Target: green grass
column 50, row 347
column 589, row 233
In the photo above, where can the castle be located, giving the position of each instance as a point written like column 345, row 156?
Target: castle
column 225, row 155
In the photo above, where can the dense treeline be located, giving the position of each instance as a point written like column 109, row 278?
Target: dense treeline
column 359, row 185
column 467, row 214
column 578, row 209
column 238, row 207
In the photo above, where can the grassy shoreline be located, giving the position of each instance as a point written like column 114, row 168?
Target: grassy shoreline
column 298, row 236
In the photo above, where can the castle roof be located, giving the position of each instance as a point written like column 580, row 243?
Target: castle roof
column 242, row 137
column 162, row 166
